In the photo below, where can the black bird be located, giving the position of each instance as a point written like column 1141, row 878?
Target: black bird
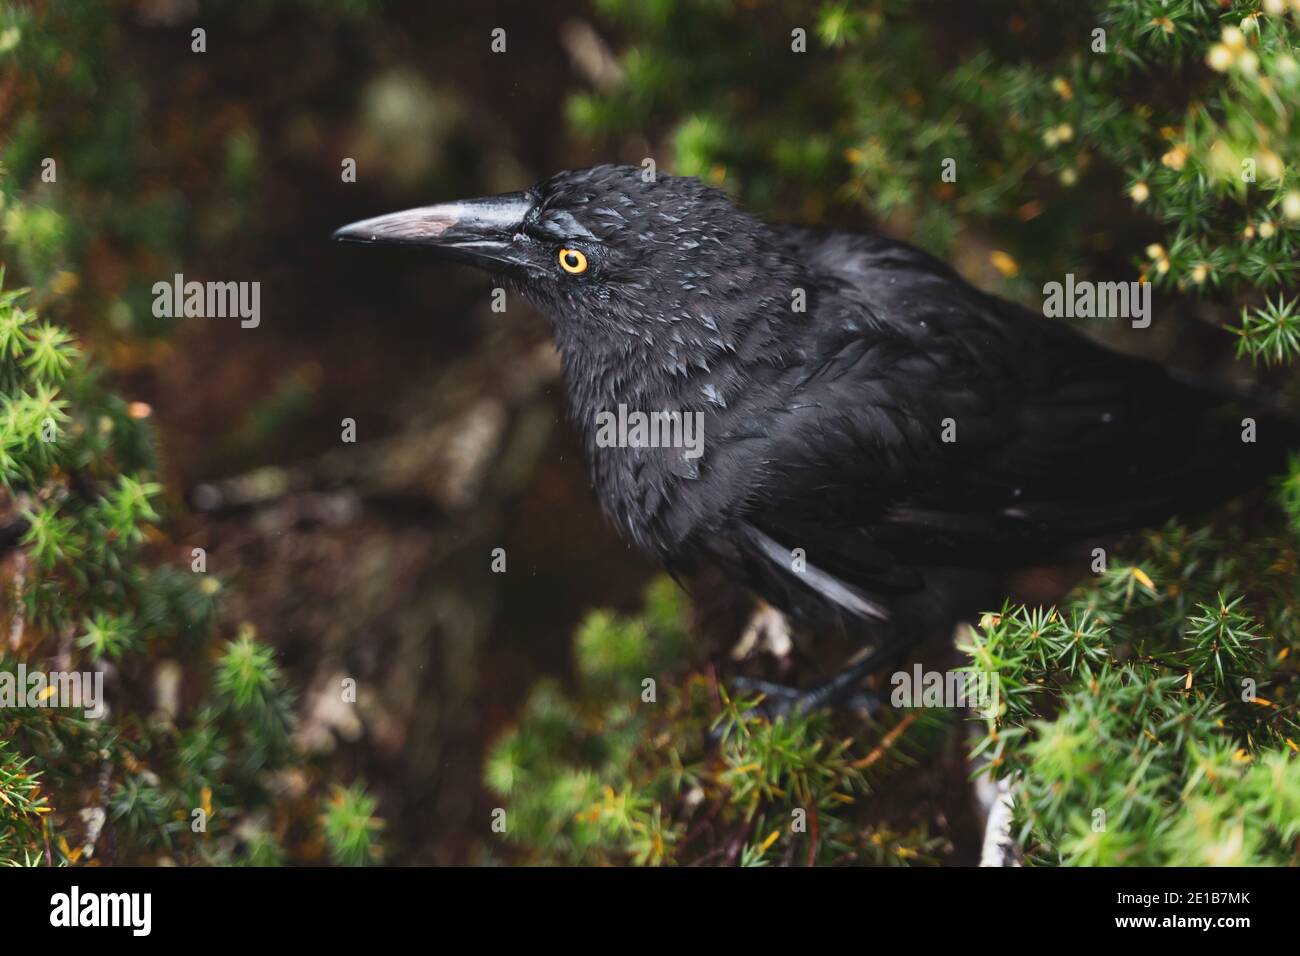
column 882, row 442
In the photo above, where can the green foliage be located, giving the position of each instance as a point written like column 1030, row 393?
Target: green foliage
column 350, row 827
column 22, row 822
column 85, row 568
column 619, row 773
column 1269, row 333
column 1148, row 722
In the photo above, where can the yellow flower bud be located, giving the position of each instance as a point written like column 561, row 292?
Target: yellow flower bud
column 1176, row 158
column 1219, row 58
column 1004, row 263
column 1291, row 205
column 1271, row 164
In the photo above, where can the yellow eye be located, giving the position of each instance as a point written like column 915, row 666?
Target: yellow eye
column 573, row 262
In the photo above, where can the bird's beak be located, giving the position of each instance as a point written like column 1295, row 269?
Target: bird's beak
column 480, row 232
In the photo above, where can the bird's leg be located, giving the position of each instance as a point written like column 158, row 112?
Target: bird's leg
column 781, row 699
column 841, row 690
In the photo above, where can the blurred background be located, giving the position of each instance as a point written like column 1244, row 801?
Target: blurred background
column 364, row 561
column 368, row 561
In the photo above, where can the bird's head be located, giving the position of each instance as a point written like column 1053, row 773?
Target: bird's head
column 612, row 253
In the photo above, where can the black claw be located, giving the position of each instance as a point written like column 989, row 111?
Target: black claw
column 769, row 690
column 780, row 700
column 841, row 692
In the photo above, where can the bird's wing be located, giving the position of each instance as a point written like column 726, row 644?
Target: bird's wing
column 941, row 425
column 788, row 569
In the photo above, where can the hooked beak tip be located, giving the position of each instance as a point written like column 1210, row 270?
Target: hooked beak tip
column 446, row 224
column 480, row 232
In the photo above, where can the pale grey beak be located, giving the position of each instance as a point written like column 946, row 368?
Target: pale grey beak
column 478, row 231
